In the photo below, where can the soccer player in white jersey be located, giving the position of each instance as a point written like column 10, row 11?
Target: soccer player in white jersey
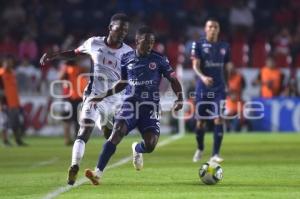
column 106, row 53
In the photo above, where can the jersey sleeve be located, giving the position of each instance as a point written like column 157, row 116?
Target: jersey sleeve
column 196, row 51
column 85, row 47
column 166, row 69
column 124, row 68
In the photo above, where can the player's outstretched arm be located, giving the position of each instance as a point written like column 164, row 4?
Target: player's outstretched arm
column 208, row 81
column 177, row 88
column 116, row 89
column 48, row 57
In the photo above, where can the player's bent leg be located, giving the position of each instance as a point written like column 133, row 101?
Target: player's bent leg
column 218, row 137
column 150, row 139
column 200, row 133
column 106, row 131
column 78, row 150
column 119, row 131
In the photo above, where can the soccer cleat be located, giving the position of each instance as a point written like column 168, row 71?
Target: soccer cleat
column 137, row 158
column 73, row 170
column 216, row 158
column 198, row 155
column 91, row 175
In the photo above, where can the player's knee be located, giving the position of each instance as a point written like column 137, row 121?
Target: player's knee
column 150, row 146
column 200, row 124
column 218, row 121
column 119, row 131
column 84, row 133
column 106, row 132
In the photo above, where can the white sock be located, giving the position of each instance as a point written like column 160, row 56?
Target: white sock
column 98, row 173
column 78, row 151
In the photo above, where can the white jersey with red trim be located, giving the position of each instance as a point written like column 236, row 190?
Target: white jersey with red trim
column 106, row 68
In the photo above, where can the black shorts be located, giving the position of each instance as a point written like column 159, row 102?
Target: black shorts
column 10, row 119
column 71, row 115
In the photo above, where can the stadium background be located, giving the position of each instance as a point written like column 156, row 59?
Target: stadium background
column 255, row 29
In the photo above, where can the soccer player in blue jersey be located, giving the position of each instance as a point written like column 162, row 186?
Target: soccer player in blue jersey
column 142, row 70
column 209, row 59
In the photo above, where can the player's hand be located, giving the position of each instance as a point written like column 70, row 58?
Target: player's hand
column 45, row 59
column 178, row 105
column 208, row 81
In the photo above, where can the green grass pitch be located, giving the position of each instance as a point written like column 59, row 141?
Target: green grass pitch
column 257, row 165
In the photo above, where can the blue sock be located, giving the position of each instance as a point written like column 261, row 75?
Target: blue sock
column 107, row 151
column 200, row 138
column 140, row 147
column 218, row 137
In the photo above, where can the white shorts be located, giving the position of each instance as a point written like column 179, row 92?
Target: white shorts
column 103, row 112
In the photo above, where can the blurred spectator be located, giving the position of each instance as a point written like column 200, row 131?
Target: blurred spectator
column 173, row 51
column 70, row 71
column 28, row 48
column 283, row 16
column 270, row 79
column 10, row 109
column 8, row 46
column 234, row 102
column 14, row 14
column 295, row 47
column 160, row 24
column 194, row 34
column 291, row 89
column 28, row 77
column 234, row 112
column 241, row 17
column 236, row 82
column 136, row 22
column 282, row 43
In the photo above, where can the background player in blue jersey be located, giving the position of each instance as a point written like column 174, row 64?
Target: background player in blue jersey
column 142, row 70
column 209, row 58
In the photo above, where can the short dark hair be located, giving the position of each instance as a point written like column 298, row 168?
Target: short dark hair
column 120, row 16
column 144, row 30
column 212, row 19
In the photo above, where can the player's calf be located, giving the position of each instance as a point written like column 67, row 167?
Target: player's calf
column 106, row 131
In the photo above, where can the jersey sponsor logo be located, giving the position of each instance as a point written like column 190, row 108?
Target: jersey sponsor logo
column 206, row 45
column 213, row 64
column 206, row 50
column 223, row 51
column 152, row 65
column 130, row 66
column 135, row 82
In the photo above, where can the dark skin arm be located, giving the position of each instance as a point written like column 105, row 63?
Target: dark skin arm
column 48, row 57
column 175, row 84
column 177, row 89
column 121, row 85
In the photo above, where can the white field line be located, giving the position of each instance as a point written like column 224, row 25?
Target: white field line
column 44, row 163
column 83, row 180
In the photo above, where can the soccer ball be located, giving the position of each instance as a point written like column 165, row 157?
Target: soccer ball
column 210, row 173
